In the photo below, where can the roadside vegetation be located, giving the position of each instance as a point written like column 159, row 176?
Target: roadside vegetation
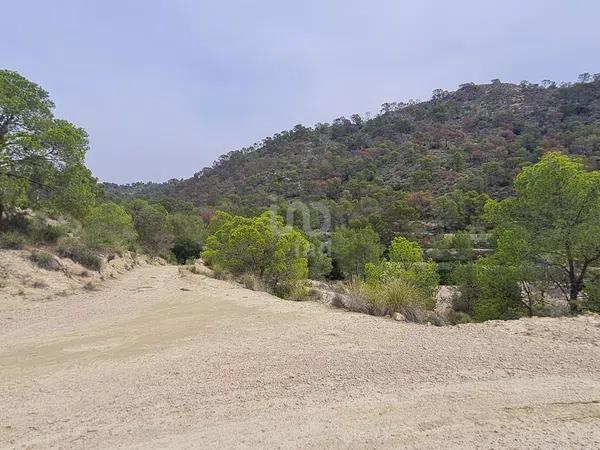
column 545, row 253
column 49, row 198
column 503, row 242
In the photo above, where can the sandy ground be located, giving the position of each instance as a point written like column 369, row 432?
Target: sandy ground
column 157, row 360
column 21, row 279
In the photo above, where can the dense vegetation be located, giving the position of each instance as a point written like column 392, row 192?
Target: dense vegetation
column 49, row 197
column 494, row 189
column 410, row 168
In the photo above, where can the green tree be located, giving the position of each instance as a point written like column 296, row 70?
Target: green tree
column 152, row 225
column 108, row 227
column 78, row 192
column 403, row 250
column 188, row 226
column 556, row 217
column 353, row 248
column 459, row 209
column 406, row 263
column 33, row 144
column 319, row 262
column 262, row 246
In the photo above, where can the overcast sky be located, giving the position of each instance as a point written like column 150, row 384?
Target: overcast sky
column 165, row 87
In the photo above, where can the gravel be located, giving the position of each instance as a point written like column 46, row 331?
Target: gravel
column 160, row 358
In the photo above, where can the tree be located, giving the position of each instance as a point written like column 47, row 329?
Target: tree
column 459, row 209
column 188, row 226
column 33, row 144
column 108, row 227
column 556, row 217
column 152, row 225
column 78, row 192
column 403, row 250
column 262, row 246
column 319, row 262
column 353, row 248
column 405, row 263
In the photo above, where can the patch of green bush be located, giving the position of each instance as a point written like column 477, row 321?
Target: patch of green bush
column 80, row 254
column 108, row 228
column 353, row 248
column 45, row 260
column 41, row 232
column 12, row 240
column 319, row 262
column 262, row 246
column 186, row 249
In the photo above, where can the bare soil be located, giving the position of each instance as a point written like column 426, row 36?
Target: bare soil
column 157, row 359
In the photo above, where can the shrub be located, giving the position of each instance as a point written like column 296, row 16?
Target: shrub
column 45, row 260
column 356, row 299
column 353, row 248
column 41, row 231
column 422, row 275
column 152, row 225
column 592, row 296
column 80, row 254
column 405, row 251
column 12, row 240
column 469, row 292
column 185, row 249
column 301, row 292
column 399, row 295
column 108, row 227
column 252, row 282
column 262, row 246
column 319, row 262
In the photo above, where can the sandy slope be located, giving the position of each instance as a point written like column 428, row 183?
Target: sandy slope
column 157, row 360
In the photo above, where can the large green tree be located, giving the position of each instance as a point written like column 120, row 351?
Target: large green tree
column 353, row 248
column 261, row 245
column 109, row 228
column 34, row 145
column 151, row 222
column 556, row 217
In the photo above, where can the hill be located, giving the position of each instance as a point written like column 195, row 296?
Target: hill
column 459, row 147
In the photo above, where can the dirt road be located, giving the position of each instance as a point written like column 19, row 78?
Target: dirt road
column 157, row 360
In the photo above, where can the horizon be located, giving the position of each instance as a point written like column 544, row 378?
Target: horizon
column 210, row 83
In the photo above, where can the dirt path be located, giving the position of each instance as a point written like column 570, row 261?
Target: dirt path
column 154, row 360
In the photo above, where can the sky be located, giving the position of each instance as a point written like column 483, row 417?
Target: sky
column 165, row 87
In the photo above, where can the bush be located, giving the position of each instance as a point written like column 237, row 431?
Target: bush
column 12, row 240
column 262, row 246
column 152, row 225
column 108, row 227
column 405, row 251
column 41, row 231
column 319, row 262
column 469, row 292
column 302, row 292
column 252, row 282
column 592, row 296
column 353, row 248
column 80, row 254
column 185, row 249
column 422, row 275
column 399, row 295
column 45, row 260
column 356, row 299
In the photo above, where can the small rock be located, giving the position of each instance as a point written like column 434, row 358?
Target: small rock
column 398, row 317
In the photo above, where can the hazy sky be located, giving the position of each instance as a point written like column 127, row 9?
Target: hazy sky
column 165, row 87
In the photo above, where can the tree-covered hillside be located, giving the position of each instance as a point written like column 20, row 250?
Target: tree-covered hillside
column 438, row 158
column 474, row 138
